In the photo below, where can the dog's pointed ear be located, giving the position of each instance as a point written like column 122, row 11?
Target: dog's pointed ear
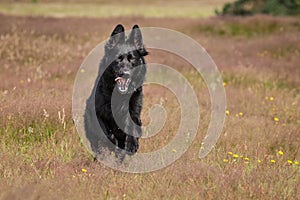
column 116, row 37
column 135, row 38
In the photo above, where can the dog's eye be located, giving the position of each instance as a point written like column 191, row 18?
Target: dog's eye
column 121, row 57
column 129, row 57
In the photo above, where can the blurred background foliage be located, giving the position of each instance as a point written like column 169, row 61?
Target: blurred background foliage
column 250, row 7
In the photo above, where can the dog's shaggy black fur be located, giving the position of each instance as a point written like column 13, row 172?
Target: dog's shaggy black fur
column 119, row 93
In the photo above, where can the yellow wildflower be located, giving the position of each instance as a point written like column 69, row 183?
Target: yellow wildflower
column 276, row 119
column 83, row 170
column 230, row 153
column 273, row 161
column 235, row 155
column 225, row 160
column 240, row 114
column 280, row 152
column 290, row 162
column 227, row 112
column 296, row 162
column 271, row 98
column 246, row 162
column 224, row 84
column 247, row 159
column 174, row 150
column 259, row 161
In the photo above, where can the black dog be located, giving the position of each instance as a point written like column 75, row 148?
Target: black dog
column 119, row 93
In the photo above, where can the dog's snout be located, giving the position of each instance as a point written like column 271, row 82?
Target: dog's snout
column 125, row 73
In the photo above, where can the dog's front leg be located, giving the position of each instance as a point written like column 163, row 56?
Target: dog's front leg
column 131, row 144
column 134, row 123
column 133, row 133
column 135, row 109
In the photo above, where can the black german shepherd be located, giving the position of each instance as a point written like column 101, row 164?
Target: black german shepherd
column 119, row 93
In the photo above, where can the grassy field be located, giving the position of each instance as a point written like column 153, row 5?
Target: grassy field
column 190, row 9
column 256, row 157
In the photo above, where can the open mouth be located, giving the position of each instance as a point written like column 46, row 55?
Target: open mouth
column 123, row 84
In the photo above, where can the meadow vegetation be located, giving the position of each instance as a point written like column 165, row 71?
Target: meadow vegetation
column 106, row 9
column 256, row 157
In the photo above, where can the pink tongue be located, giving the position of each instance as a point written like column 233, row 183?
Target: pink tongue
column 120, row 79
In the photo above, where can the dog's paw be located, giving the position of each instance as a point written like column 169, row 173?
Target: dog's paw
column 132, row 145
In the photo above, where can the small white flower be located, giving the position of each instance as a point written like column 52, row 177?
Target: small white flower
column 30, row 129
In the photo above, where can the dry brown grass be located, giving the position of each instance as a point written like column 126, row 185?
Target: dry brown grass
column 42, row 156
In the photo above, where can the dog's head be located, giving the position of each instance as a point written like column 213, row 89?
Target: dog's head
column 126, row 55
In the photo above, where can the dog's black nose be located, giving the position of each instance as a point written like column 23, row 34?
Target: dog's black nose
column 125, row 74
